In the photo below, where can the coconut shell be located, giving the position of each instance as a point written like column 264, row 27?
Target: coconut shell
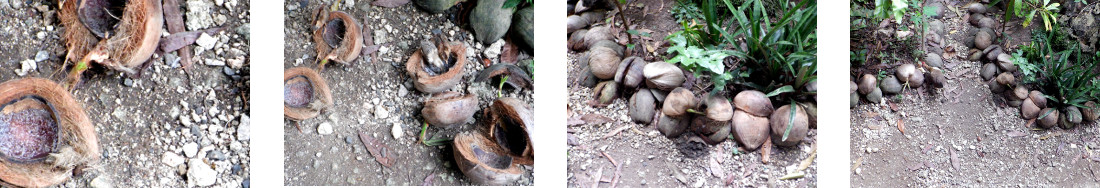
column 678, row 102
column 137, row 37
column 663, row 76
column 596, row 34
column 977, row 8
column 1028, row 109
column 853, row 100
column 483, row 161
column 749, row 130
column 1004, row 61
column 781, row 119
column 753, row 102
column 875, row 96
column 933, row 59
column 76, row 143
column 576, row 39
column 719, row 108
column 975, row 19
column 995, row 87
column 1015, row 103
column 609, row 44
column 1006, row 78
column 854, row 87
column 1038, row 97
column 429, row 83
column 718, row 136
column 510, row 124
column 607, row 92
column 1090, row 112
column 867, row 83
column 811, row 111
column 906, row 74
column 992, row 52
column 446, row 109
column 642, row 106
column 1063, row 121
column 575, row 22
column 890, row 85
column 1019, row 93
column 340, row 39
column 321, row 94
column 1073, row 115
column 1050, row 119
column 669, row 126
column 987, row 22
column 983, row 39
column 989, row 70
column 629, row 73
column 603, row 62
column 78, row 38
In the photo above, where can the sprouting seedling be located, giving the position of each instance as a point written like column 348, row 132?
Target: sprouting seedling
column 500, row 88
column 94, row 33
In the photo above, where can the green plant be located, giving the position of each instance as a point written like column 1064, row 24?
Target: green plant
column 1029, row 8
column 700, row 60
column 890, row 9
column 1028, row 70
column 1064, row 73
column 781, row 55
column 686, row 11
column 514, row 3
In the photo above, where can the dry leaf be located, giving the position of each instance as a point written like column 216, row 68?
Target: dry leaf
column 766, row 151
column 381, row 152
column 595, row 119
column 509, row 53
column 901, row 126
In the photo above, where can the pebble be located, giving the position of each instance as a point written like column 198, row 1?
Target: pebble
column 101, row 182
column 325, row 128
column 397, row 131
column 41, row 56
column 172, row 159
column 206, row 41
column 199, row 14
column 27, row 66
column 494, row 50
column 215, row 155
column 172, row 60
column 244, row 130
column 381, row 113
column 200, row 174
column 190, row 149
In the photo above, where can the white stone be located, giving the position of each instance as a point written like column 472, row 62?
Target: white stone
column 172, row 159
column 494, row 50
column 27, row 66
column 397, row 131
column 381, row 113
column 200, row 174
column 206, row 41
column 325, row 128
column 190, row 149
column 245, row 128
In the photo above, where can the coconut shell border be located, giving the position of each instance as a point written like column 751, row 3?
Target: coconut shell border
column 438, row 83
column 352, row 28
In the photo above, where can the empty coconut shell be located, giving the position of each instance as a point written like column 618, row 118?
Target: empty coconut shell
column 131, row 40
column 718, row 108
column 607, row 92
column 977, row 8
column 1006, row 78
column 338, row 39
column 603, row 62
column 1090, row 112
column 984, row 39
column 753, row 102
column 669, row 126
column 1005, row 62
column 642, row 106
column 989, row 70
column 483, row 161
column 1048, row 118
column 305, row 93
column 630, row 72
column 781, row 119
column 751, row 131
column 1028, row 109
column 511, row 121
column 1073, row 115
column 678, row 102
column 1038, row 97
column 449, row 108
column 663, row 76
column 44, row 134
column 867, row 83
column 517, row 77
column 427, row 80
column 890, row 85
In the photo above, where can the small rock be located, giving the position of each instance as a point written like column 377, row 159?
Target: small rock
column 381, row 113
column 397, row 131
column 27, row 66
column 200, row 174
column 41, row 56
column 101, row 182
column 244, row 130
column 172, row 60
column 190, row 149
column 494, row 50
column 325, row 128
column 172, row 159
column 215, row 155
column 206, row 41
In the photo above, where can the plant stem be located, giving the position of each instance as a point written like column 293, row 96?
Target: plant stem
column 626, row 24
column 423, row 133
column 501, row 87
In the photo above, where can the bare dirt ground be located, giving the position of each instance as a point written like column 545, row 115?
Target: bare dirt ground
column 645, row 157
column 963, row 135
column 147, row 126
column 376, row 97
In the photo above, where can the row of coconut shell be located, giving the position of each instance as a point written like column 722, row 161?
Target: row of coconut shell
column 906, row 75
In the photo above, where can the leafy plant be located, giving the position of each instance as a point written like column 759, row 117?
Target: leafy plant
column 699, row 60
column 686, row 11
column 1029, row 8
column 891, row 8
column 780, row 53
column 515, row 3
column 1064, row 73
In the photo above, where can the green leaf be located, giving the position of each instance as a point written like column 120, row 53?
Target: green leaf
column 780, row 90
column 790, row 121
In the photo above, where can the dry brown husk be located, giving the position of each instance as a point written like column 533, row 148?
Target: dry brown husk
column 678, row 102
column 77, row 146
column 322, row 95
column 754, row 102
column 663, row 76
column 509, row 119
column 349, row 47
column 136, row 36
column 779, row 120
column 492, row 168
column 642, row 106
column 428, row 83
column 449, row 108
column 603, row 62
column 749, row 130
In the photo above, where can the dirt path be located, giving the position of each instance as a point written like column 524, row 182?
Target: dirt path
column 645, row 157
column 374, row 98
column 963, row 135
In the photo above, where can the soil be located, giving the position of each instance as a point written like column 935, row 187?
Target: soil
column 141, row 121
column 963, row 135
column 642, row 156
column 375, row 97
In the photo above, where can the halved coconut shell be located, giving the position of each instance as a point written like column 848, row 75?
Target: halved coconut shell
column 1050, row 119
column 339, row 38
column 426, row 80
column 449, row 108
column 753, row 102
column 510, row 124
column 782, row 118
column 305, row 93
column 669, row 126
column 678, row 102
column 630, row 72
column 483, row 161
column 867, row 83
column 606, row 92
column 44, row 134
column 751, row 131
column 132, row 39
column 517, row 77
column 642, row 106
column 718, row 108
column 663, row 76
column 1090, row 112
